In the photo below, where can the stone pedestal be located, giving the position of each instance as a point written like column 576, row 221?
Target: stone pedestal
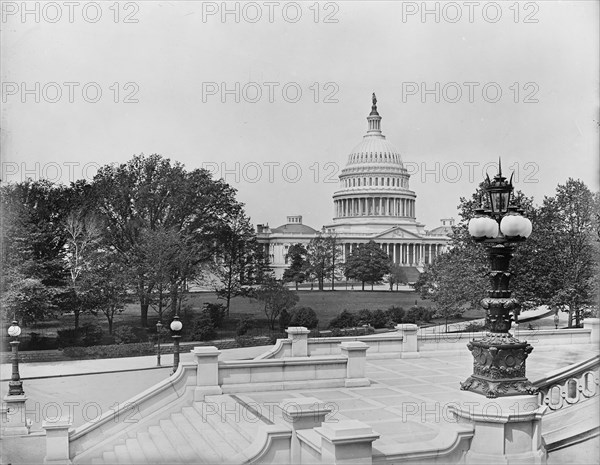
column 410, row 347
column 594, row 325
column 347, row 442
column 356, row 352
column 507, row 429
column 302, row 413
column 207, row 375
column 57, row 442
column 14, row 421
column 299, row 337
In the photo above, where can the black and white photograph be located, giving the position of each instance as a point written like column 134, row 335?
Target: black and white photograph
column 300, row 232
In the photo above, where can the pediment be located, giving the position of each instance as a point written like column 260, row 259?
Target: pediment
column 397, row 232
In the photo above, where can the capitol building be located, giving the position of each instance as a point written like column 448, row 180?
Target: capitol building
column 373, row 202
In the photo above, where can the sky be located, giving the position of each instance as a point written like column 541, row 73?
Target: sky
column 273, row 96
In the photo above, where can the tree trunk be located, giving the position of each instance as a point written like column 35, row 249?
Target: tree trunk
column 110, row 323
column 570, row 318
column 371, row 285
column 363, row 285
column 144, row 314
column 296, row 285
column 76, row 312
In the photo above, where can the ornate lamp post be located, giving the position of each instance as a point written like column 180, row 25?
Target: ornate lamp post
column 499, row 358
column 158, row 328
column 176, row 326
column 15, row 385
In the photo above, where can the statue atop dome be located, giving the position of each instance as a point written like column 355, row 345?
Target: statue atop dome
column 374, row 107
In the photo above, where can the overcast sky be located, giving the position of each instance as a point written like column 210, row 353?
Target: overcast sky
column 170, row 73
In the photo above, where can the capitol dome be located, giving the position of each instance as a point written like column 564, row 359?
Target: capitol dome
column 374, row 182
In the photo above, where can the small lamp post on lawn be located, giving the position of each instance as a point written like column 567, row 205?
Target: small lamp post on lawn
column 15, row 385
column 499, row 358
column 14, row 420
column 176, row 326
column 158, row 328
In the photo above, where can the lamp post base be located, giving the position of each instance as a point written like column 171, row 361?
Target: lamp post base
column 499, row 366
column 14, row 421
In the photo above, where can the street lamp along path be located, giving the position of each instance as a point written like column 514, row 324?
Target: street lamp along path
column 499, row 358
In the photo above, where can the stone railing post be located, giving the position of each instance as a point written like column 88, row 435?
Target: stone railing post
column 14, row 421
column 410, row 348
column 302, row 413
column 207, row 374
column 356, row 352
column 57, row 441
column 507, row 429
column 593, row 324
column 347, row 442
column 299, row 337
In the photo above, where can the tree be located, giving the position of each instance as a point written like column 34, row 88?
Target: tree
column 368, row 263
column 275, row 297
column 83, row 236
column 575, row 259
column 297, row 270
column 555, row 266
column 147, row 193
column 105, row 289
column 32, row 248
column 235, row 258
column 396, row 276
column 323, row 258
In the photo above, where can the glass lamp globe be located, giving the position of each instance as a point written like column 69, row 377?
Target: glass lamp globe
column 14, row 330
column 176, row 325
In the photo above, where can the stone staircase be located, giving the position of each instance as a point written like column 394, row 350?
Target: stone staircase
column 218, row 430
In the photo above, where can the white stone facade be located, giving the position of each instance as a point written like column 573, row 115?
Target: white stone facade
column 373, row 202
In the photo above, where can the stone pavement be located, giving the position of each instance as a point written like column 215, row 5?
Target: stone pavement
column 408, row 400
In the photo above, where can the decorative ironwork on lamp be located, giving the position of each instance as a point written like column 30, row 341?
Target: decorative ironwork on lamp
column 499, row 358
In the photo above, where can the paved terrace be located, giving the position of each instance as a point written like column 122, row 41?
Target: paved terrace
column 407, row 402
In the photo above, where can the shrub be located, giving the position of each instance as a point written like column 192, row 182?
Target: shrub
column 245, row 341
column 417, row 313
column 204, row 329
column 245, row 324
column 67, row 337
column 110, row 351
column 364, row 317
column 284, row 320
column 125, row 335
column 304, row 316
column 40, row 343
column 216, row 312
column 86, row 335
column 343, row 320
column 379, row 319
column 92, row 334
column 396, row 314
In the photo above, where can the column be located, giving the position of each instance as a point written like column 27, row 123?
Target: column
column 57, row 441
column 207, row 372
column 347, row 442
column 410, row 348
column 302, row 413
column 356, row 352
column 299, row 338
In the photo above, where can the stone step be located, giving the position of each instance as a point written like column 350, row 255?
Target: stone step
column 164, row 445
column 109, row 458
column 225, row 428
column 203, row 449
column 234, row 414
column 178, row 441
column 151, row 452
column 213, row 437
column 122, row 454
column 135, row 451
